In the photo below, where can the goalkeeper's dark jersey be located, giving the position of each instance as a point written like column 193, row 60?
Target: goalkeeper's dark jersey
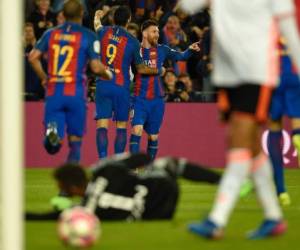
column 116, row 193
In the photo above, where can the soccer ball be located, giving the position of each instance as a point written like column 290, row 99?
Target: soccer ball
column 77, row 227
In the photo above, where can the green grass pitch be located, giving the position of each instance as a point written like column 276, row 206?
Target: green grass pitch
column 195, row 202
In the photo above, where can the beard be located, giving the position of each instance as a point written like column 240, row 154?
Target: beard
column 153, row 42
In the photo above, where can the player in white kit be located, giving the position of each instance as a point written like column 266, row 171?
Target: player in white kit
column 246, row 68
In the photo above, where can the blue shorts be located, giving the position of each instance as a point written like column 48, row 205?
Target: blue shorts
column 67, row 111
column 112, row 101
column 148, row 113
column 286, row 98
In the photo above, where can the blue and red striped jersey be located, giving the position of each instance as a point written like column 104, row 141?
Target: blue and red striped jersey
column 119, row 49
column 69, row 47
column 150, row 86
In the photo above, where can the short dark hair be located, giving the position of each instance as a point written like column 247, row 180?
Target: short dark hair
column 148, row 23
column 72, row 9
column 71, row 175
column 133, row 26
column 122, row 15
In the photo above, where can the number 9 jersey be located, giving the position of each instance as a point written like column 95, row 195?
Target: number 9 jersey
column 119, row 49
column 69, row 47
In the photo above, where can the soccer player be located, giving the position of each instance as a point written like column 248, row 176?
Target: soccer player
column 69, row 48
column 116, row 192
column 285, row 101
column 149, row 105
column 119, row 49
column 245, row 70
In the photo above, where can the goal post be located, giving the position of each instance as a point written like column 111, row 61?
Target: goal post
column 11, row 125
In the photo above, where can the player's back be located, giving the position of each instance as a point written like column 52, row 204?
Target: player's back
column 119, row 49
column 113, row 189
column 120, row 194
column 246, row 39
column 69, row 47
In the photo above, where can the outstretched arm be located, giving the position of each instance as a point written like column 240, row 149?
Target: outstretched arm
column 188, row 170
column 127, row 160
column 196, row 172
column 175, row 55
column 53, row 215
column 97, row 20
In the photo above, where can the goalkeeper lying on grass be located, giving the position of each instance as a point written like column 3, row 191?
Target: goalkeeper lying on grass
column 126, row 187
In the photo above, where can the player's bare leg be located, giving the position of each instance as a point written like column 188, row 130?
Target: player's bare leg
column 74, row 148
column 121, row 137
column 135, row 138
column 239, row 160
column 244, row 151
column 261, row 172
column 101, row 137
column 152, row 145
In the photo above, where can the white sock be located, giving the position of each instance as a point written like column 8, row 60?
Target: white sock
column 238, row 168
column 262, row 176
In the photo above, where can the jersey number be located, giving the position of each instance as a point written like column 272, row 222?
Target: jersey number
column 61, row 51
column 111, row 52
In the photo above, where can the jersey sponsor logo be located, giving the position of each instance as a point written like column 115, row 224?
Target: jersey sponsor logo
column 151, row 63
column 153, row 55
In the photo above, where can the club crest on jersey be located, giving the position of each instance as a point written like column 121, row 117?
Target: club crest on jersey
column 153, row 55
